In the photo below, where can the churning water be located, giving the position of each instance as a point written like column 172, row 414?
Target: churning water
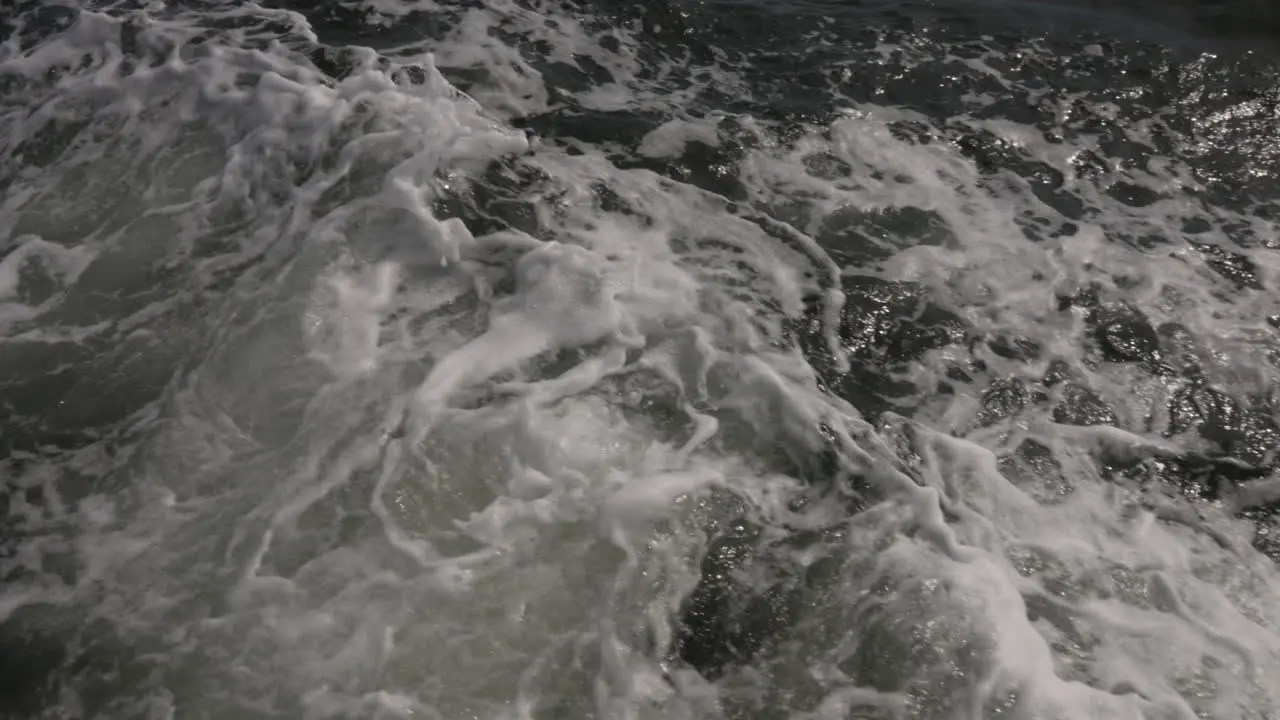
column 546, row 360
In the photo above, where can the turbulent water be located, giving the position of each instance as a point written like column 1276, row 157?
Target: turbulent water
column 740, row 359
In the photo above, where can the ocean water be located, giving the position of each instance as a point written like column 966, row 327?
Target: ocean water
column 689, row 359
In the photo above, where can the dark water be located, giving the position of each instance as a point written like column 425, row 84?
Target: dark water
column 657, row 360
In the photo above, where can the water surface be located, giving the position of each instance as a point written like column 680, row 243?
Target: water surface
column 527, row 360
